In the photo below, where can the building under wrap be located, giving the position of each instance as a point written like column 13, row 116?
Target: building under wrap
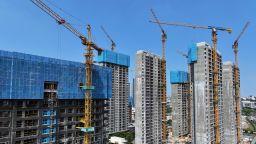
column 118, row 104
column 27, row 82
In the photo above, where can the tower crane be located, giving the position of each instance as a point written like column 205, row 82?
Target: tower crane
column 237, row 85
column 214, row 30
column 113, row 44
column 87, row 119
column 163, row 71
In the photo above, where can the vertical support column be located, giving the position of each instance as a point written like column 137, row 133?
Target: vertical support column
column 238, row 109
column 188, row 99
column 215, row 87
column 163, row 66
column 237, row 94
column 164, row 126
column 88, row 129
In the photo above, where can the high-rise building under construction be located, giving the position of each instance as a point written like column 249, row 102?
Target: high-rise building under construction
column 229, row 102
column 118, row 105
column 148, row 102
column 41, row 100
column 200, row 57
column 181, row 109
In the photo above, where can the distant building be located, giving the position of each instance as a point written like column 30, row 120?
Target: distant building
column 181, row 105
column 249, row 102
column 148, row 102
column 41, row 100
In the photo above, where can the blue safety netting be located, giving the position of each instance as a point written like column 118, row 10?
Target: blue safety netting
column 178, row 77
column 192, row 53
column 22, row 76
column 114, row 58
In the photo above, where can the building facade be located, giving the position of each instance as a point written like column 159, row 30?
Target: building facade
column 230, row 131
column 41, row 100
column 118, row 104
column 181, row 109
column 201, row 78
column 148, row 103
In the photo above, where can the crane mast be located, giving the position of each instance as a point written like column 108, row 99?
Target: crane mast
column 163, row 74
column 237, row 86
column 215, row 87
column 87, row 119
column 214, row 30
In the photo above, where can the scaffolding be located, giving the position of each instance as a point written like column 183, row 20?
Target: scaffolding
column 50, row 94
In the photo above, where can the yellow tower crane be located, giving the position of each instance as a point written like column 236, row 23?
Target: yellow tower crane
column 113, row 44
column 163, row 73
column 237, row 86
column 87, row 120
column 214, row 30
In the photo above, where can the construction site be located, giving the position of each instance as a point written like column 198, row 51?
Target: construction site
column 47, row 100
column 214, row 114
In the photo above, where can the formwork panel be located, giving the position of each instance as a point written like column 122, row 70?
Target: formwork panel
column 22, row 76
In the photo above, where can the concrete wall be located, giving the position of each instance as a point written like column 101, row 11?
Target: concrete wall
column 118, row 104
column 201, row 74
column 230, row 133
column 180, row 110
column 148, row 116
column 68, row 114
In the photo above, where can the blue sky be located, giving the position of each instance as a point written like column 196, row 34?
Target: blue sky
column 25, row 28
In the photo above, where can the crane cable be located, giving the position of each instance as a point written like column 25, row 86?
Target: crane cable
column 64, row 11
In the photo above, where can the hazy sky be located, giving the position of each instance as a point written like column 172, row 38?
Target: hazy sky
column 25, row 28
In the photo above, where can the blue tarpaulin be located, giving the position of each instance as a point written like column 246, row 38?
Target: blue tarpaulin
column 178, row 77
column 114, row 58
column 192, row 53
